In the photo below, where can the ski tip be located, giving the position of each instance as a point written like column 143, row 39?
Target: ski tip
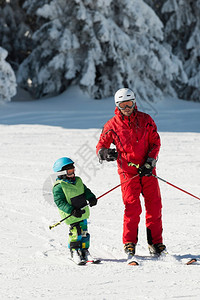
column 191, row 261
column 133, row 263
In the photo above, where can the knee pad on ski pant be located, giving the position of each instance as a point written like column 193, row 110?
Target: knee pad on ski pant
column 85, row 235
column 74, row 241
column 78, row 235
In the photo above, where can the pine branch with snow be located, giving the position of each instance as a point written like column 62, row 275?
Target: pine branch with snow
column 7, row 78
column 182, row 32
column 15, row 32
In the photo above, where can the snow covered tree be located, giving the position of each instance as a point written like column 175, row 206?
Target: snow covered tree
column 101, row 45
column 192, row 64
column 153, row 66
column 7, row 78
column 15, row 33
column 182, row 31
column 156, row 5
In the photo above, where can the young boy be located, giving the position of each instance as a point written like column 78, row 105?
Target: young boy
column 71, row 196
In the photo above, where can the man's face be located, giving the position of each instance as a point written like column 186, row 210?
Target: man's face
column 126, row 107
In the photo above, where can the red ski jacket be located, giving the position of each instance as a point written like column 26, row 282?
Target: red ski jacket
column 135, row 138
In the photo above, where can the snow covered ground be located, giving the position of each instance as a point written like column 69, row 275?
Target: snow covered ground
column 33, row 259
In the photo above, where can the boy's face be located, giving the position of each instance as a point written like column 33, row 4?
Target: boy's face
column 71, row 172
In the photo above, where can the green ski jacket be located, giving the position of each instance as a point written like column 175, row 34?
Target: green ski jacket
column 63, row 191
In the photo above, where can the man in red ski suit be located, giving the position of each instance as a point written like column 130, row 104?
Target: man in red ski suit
column 135, row 137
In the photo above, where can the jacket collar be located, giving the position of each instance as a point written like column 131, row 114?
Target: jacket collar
column 68, row 180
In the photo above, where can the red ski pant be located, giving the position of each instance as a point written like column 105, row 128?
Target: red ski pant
column 131, row 191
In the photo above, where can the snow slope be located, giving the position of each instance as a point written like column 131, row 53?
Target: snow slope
column 33, row 259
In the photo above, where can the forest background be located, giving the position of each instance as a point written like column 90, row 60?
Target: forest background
column 100, row 45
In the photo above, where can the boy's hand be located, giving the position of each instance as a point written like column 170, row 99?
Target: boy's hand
column 78, row 212
column 92, row 201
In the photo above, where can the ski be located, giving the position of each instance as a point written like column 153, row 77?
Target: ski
column 135, row 260
column 191, row 261
column 131, row 260
column 83, row 257
column 133, row 263
column 86, row 262
column 89, row 258
column 81, row 263
column 94, row 261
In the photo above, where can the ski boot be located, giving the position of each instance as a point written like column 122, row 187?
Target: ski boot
column 157, row 249
column 129, row 249
column 88, row 257
column 77, row 257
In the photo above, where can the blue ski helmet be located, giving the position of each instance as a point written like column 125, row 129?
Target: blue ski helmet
column 61, row 162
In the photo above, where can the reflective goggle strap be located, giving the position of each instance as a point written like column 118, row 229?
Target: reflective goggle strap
column 64, row 172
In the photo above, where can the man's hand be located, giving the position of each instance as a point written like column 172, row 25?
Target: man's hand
column 107, row 154
column 147, row 168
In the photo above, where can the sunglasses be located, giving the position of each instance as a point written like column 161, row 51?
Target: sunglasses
column 125, row 104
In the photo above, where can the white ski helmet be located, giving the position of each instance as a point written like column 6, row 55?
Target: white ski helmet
column 124, row 94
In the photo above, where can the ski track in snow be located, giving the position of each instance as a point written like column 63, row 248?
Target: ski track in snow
column 34, row 261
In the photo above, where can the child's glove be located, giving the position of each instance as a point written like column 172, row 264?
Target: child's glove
column 92, row 201
column 78, row 212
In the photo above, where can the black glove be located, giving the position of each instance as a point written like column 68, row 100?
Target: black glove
column 147, row 168
column 107, row 154
column 92, row 201
column 78, row 212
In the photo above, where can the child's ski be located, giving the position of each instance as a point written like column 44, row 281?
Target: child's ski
column 85, row 262
column 94, row 261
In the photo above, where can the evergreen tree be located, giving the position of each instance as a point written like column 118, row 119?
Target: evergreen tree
column 100, row 45
column 7, row 78
column 192, row 63
column 181, row 20
column 156, row 5
column 15, row 33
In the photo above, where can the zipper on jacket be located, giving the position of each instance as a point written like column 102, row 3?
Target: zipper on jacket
column 129, row 122
column 136, row 130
